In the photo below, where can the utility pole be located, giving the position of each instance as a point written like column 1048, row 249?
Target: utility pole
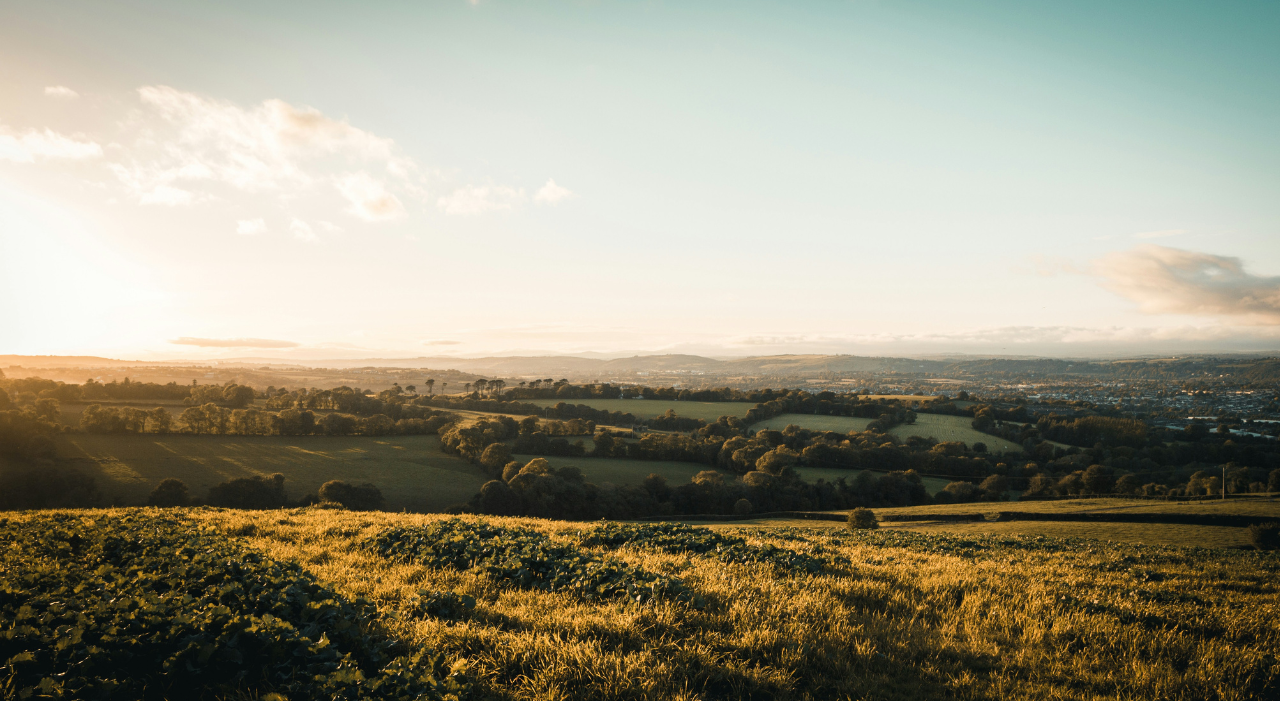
column 1224, row 481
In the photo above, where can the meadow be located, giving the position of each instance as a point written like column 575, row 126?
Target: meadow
column 626, row 612
column 411, row 471
column 649, row 408
column 939, row 426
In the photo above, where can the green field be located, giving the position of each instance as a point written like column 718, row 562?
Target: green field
column 411, row 471
column 649, row 408
column 1244, row 506
column 939, row 426
column 600, row 470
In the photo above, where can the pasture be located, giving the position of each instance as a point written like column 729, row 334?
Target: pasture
column 411, row 471
column 939, row 426
column 649, row 408
column 893, row 615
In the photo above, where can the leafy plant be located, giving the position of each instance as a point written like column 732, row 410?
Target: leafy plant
column 678, row 538
column 138, row 607
column 525, row 559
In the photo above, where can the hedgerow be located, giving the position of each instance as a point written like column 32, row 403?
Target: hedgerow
column 678, row 538
column 524, row 559
column 145, row 607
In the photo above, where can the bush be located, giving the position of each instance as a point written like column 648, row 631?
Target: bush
column 863, row 519
column 171, row 492
column 441, row 604
column 742, row 507
column 249, row 493
column 364, row 497
column 1265, row 536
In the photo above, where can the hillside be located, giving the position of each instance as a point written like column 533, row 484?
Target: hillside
column 526, row 609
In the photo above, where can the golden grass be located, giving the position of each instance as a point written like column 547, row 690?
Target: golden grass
column 911, row 617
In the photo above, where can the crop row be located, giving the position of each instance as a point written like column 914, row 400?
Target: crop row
column 525, row 559
column 140, row 607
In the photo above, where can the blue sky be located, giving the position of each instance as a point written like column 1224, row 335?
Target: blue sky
column 722, row 178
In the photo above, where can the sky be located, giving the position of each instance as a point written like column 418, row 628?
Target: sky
column 396, row 179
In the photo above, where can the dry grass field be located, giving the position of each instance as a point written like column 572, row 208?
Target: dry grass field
column 893, row 615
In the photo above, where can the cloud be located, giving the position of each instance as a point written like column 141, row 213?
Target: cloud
column 251, row 227
column 166, row 195
column 369, row 198
column 61, row 92
column 233, row 342
column 442, row 343
column 182, row 137
column 467, row 201
column 302, row 231
column 1159, row 234
column 552, row 193
column 47, row 144
column 1165, row 280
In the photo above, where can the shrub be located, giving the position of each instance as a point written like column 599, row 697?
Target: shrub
column 863, row 519
column 249, row 493
column 170, row 492
column 1265, row 536
column 364, row 497
column 742, row 507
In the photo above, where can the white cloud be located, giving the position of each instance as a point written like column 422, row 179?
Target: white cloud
column 330, row 227
column 168, row 196
column 466, row 201
column 1165, row 280
column 47, row 144
column 251, row 227
column 552, row 193
column 61, row 92
column 1159, row 234
column 369, row 198
column 303, row 231
column 273, row 147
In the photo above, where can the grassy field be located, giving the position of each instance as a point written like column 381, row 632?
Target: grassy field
column 649, row 408
column 1170, row 534
column 617, row 471
column 939, row 426
column 897, row 615
column 1239, row 506
column 411, row 471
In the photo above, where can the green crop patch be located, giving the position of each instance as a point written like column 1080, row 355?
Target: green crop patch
column 145, row 607
column 676, row 538
column 525, row 559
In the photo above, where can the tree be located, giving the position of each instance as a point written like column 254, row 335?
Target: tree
column 431, row 385
column 364, row 497
column 249, row 493
column 1098, row 479
column 742, row 507
column 996, row 487
column 170, row 492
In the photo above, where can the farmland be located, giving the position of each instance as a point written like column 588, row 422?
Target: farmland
column 649, row 408
column 888, row 614
column 813, row 474
column 620, row 471
column 939, row 426
column 411, row 471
